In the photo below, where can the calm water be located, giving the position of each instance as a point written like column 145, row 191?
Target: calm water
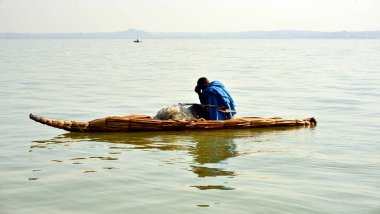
column 332, row 168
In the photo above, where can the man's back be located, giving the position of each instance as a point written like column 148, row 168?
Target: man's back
column 216, row 94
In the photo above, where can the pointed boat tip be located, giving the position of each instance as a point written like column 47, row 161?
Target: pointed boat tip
column 33, row 117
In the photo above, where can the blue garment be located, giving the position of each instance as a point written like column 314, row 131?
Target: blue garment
column 218, row 95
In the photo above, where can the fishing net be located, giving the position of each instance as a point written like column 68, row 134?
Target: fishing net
column 175, row 112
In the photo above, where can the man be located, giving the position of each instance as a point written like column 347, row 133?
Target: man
column 214, row 93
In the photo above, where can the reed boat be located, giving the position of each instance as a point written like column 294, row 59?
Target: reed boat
column 134, row 123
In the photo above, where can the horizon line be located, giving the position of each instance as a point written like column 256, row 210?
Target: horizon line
column 138, row 30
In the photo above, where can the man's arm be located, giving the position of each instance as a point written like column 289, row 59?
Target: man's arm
column 202, row 98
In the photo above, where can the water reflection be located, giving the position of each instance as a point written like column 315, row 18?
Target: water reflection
column 208, row 187
column 203, row 171
column 207, row 148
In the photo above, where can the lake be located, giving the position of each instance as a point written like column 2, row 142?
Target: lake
column 331, row 168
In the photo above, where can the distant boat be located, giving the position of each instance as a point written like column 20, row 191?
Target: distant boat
column 137, row 41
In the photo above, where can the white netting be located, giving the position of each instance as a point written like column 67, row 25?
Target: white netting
column 175, row 112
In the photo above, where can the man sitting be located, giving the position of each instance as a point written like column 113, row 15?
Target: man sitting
column 214, row 93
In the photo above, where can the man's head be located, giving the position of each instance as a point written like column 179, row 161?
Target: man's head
column 203, row 82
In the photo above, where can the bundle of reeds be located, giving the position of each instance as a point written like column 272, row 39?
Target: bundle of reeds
column 145, row 123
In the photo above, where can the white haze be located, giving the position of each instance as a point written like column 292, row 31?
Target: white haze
column 47, row 16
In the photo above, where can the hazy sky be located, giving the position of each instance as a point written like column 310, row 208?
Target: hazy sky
column 187, row 15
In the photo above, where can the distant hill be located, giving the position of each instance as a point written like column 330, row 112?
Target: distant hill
column 133, row 34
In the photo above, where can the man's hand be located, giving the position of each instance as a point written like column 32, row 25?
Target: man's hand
column 198, row 90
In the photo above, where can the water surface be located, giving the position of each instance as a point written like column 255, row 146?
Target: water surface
column 332, row 168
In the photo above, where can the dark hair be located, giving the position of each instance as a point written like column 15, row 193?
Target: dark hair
column 202, row 82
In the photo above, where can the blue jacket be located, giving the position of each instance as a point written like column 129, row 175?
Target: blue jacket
column 218, row 95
